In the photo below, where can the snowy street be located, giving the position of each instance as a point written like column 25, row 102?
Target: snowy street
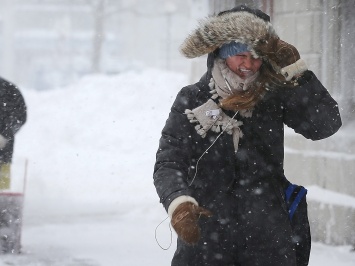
column 119, row 239
column 90, row 199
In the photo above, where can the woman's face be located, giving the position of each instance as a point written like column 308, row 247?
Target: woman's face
column 244, row 64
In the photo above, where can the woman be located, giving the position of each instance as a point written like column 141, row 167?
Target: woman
column 219, row 168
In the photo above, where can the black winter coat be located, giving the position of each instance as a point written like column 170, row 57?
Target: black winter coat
column 308, row 109
column 13, row 115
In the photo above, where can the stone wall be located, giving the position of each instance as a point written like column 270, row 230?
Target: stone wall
column 316, row 29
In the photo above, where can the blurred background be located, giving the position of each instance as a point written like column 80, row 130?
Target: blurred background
column 49, row 44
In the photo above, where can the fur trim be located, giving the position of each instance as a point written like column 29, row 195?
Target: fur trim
column 215, row 31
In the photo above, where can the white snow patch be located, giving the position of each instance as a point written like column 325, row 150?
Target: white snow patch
column 330, row 197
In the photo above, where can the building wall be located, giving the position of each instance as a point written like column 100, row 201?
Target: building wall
column 315, row 27
column 319, row 29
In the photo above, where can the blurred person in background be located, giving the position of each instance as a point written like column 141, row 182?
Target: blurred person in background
column 13, row 114
column 219, row 167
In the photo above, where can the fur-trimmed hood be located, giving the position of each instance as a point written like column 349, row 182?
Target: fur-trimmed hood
column 241, row 24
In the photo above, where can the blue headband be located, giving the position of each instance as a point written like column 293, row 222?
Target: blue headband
column 231, row 49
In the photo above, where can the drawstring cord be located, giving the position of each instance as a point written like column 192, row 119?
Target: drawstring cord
column 198, row 161
column 171, row 234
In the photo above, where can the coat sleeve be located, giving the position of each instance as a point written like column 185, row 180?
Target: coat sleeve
column 13, row 109
column 310, row 110
column 174, row 152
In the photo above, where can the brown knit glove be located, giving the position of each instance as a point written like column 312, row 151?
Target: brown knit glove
column 277, row 51
column 283, row 60
column 185, row 221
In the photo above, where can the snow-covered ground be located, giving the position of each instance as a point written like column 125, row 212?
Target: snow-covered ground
column 89, row 198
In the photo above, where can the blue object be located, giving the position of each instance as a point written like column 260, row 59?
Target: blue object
column 293, row 204
column 231, row 49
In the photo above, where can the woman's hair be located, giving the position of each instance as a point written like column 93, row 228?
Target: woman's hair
column 243, row 100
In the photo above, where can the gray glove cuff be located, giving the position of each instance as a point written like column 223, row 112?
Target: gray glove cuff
column 294, row 69
column 176, row 202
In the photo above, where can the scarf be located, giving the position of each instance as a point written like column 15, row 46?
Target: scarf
column 209, row 116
